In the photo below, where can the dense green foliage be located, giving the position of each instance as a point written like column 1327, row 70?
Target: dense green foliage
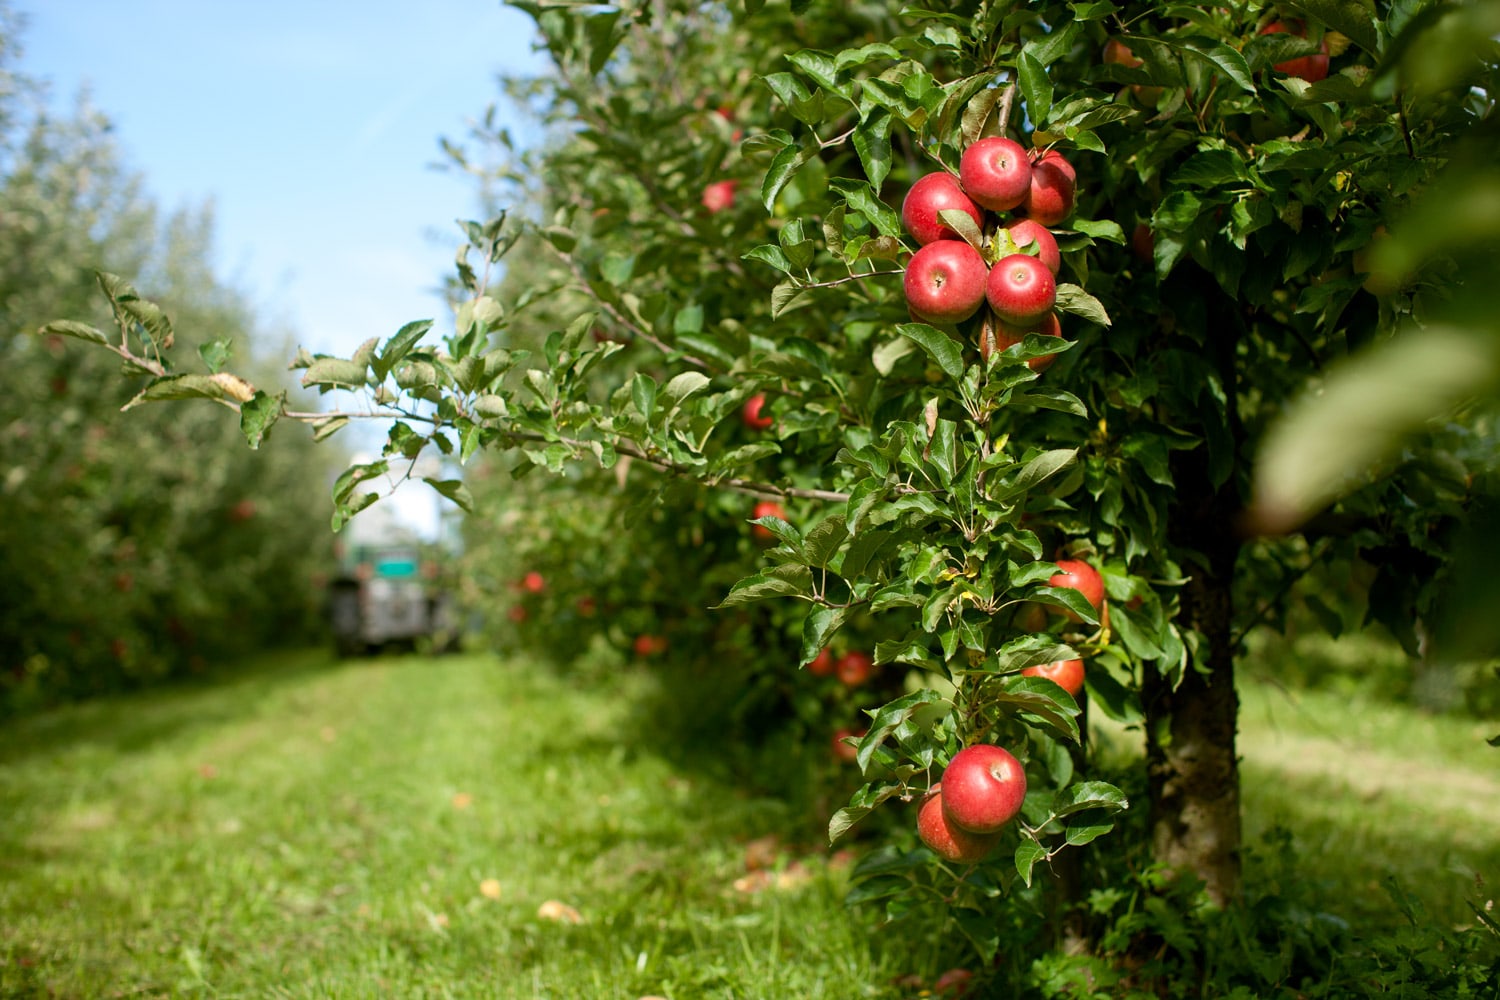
column 130, row 549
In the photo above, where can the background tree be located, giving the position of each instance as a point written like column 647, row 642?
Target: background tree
column 138, row 549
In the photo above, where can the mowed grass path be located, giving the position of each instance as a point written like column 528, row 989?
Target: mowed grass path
column 390, row 828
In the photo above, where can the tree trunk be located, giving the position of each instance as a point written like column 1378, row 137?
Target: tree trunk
column 1193, row 770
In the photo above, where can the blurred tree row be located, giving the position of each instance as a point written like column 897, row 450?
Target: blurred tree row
column 139, row 549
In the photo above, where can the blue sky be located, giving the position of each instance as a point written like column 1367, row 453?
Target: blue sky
column 311, row 127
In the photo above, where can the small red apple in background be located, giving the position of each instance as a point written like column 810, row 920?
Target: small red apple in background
column 1030, row 617
column 533, row 582
column 1053, row 186
column 945, row 282
column 1029, row 235
column 950, row 842
column 953, row 983
column 1005, row 335
column 1310, row 68
column 854, row 667
column 1082, row 577
column 1116, row 51
column 1021, row 290
column 995, row 173
column 647, row 644
column 719, row 195
column 587, row 606
column 984, row 786
column 822, row 664
column 1143, row 243
column 931, row 194
column 517, row 613
column 752, row 415
column 124, row 581
column 1066, row 674
column 242, row 511
column 847, row 752
column 765, row 508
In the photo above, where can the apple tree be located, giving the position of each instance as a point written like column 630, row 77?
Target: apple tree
column 726, row 215
column 136, row 549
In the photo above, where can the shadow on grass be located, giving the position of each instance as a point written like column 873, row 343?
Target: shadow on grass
column 134, row 722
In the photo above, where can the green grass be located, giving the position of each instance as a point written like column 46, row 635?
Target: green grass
column 318, row 829
column 1371, row 790
column 296, row 833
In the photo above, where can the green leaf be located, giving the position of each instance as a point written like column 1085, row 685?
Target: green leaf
column 68, row 328
column 822, row 543
column 820, row 625
column 335, row 372
column 215, row 354
column 1216, row 54
column 258, row 414
column 1089, row 795
column 1028, row 853
column 1036, row 86
column 763, row 586
column 947, row 352
column 890, row 717
column 782, row 169
column 1034, row 472
column 682, row 386
column 862, row 198
column 170, row 387
column 453, row 489
column 1331, row 439
column 872, row 142
column 398, row 346
column 1073, row 299
column 643, row 393
column 1353, row 18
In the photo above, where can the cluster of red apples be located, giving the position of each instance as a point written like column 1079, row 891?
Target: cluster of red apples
column 949, row 279
column 963, row 816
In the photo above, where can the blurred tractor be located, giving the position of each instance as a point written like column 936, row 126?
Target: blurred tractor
column 388, row 592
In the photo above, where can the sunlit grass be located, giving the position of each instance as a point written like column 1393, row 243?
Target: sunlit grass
column 391, row 828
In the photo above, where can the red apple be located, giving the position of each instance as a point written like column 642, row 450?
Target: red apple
column 984, row 786
column 945, row 282
column 995, row 173
column 517, row 613
column 765, row 508
column 533, row 582
column 950, row 842
column 1030, row 236
column 1116, row 51
column 931, row 194
column 953, row 983
column 647, row 644
column 1143, row 243
column 1053, row 185
column 1066, row 674
column 822, row 664
column 1082, row 577
column 1005, row 335
column 242, row 511
column 1021, row 290
column 854, row 667
column 846, row 751
column 1310, row 68
column 587, row 606
column 754, row 419
column 719, row 195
